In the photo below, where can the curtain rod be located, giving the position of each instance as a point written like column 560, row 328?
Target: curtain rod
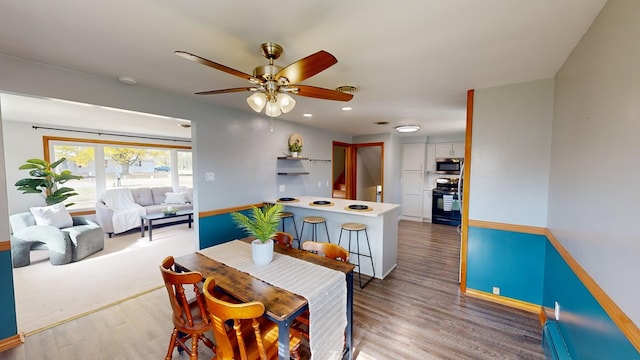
column 110, row 134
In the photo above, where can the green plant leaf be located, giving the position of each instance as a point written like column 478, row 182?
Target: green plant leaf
column 262, row 222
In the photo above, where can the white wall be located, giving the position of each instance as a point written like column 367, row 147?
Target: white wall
column 594, row 192
column 510, row 153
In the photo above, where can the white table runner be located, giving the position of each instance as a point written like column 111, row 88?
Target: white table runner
column 324, row 289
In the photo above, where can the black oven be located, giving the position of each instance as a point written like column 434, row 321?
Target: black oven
column 445, row 203
column 449, row 166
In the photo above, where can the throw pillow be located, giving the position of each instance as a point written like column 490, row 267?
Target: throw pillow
column 174, row 198
column 55, row 215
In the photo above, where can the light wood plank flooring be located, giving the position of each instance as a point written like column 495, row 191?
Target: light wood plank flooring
column 417, row 312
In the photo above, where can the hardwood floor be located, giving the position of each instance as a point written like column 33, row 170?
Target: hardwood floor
column 417, row 312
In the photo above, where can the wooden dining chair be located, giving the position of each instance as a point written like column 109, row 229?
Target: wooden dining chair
column 252, row 336
column 283, row 238
column 332, row 251
column 190, row 317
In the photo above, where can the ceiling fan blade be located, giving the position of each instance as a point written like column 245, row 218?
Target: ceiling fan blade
column 214, row 65
column 307, row 67
column 322, row 93
column 224, row 91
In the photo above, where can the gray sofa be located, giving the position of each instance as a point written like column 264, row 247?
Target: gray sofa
column 83, row 238
column 151, row 198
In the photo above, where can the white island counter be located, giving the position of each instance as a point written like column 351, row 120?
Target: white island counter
column 381, row 220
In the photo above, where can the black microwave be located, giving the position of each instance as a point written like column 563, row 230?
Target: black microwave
column 449, row 166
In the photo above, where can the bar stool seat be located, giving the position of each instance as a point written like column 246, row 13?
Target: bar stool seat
column 289, row 215
column 314, row 221
column 357, row 227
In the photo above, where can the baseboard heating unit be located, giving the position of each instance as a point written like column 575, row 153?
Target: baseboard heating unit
column 553, row 343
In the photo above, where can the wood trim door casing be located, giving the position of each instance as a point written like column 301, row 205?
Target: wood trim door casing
column 466, row 177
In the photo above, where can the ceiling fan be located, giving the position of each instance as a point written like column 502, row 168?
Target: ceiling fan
column 271, row 83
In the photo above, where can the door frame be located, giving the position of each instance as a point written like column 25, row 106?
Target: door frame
column 351, row 167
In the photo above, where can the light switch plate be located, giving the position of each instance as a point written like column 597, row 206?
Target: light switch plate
column 209, row 177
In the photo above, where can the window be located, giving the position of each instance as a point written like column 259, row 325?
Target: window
column 124, row 165
column 80, row 161
column 137, row 167
column 185, row 169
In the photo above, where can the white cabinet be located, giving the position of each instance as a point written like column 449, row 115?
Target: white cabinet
column 413, row 157
column 449, row 150
column 427, row 205
column 431, row 158
column 412, row 185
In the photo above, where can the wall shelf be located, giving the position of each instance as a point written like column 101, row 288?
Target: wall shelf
column 293, row 173
column 292, row 158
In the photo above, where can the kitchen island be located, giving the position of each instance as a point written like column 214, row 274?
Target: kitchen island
column 381, row 220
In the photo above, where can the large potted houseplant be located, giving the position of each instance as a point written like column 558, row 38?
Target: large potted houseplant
column 263, row 224
column 44, row 179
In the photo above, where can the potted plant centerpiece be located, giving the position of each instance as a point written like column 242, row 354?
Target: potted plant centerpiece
column 263, row 224
column 295, row 148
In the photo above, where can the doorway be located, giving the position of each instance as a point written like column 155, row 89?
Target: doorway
column 358, row 171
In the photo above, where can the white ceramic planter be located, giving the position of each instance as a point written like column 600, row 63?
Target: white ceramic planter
column 262, row 252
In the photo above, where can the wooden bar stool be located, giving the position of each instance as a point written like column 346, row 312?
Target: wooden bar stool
column 289, row 215
column 314, row 221
column 357, row 227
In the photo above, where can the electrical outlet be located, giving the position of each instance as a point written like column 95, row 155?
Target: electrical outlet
column 327, row 183
column 319, row 183
column 556, row 311
column 496, row 290
column 281, row 188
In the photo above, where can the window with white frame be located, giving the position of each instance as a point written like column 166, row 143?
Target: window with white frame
column 124, row 165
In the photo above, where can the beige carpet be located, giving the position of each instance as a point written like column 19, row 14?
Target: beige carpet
column 128, row 266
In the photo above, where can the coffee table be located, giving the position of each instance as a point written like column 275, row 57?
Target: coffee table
column 151, row 217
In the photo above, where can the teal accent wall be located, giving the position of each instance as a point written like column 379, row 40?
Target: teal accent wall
column 587, row 329
column 8, row 321
column 512, row 261
column 218, row 229
column 527, row 267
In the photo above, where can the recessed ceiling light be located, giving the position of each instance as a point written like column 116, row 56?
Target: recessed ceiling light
column 407, row 128
column 307, row 115
column 347, row 108
column 127, row 80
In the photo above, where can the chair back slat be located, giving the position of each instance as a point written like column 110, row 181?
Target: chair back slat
column 222, row 311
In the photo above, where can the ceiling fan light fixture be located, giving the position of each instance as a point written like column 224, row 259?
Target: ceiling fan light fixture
column 407, row 128
column 286, row 102
column 273, row 109
column 257, row 101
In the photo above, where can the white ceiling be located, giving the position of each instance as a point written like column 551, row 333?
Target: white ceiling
column 412, row 61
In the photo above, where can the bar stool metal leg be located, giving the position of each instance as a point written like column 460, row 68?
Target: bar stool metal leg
column 350, row 227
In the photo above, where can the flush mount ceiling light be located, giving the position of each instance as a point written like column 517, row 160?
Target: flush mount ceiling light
column 128, row 80
column 407, row 128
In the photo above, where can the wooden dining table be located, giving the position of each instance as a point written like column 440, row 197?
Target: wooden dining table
column 281, row 306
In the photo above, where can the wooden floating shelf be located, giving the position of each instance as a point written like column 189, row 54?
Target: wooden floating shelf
column 293, row 173
column 292, row 158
